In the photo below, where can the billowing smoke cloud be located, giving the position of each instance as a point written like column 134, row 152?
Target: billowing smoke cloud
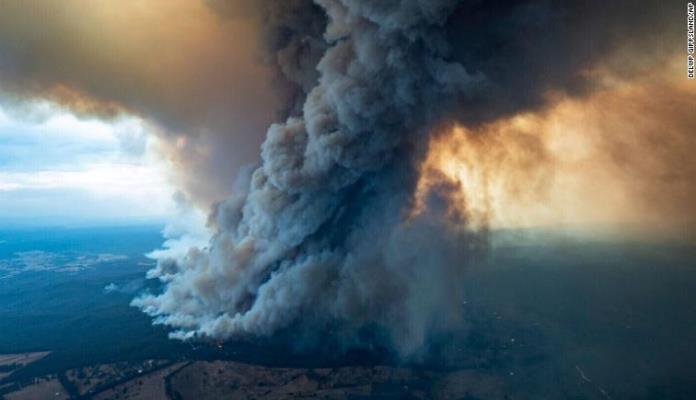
column 320, row 230
column 322, row 233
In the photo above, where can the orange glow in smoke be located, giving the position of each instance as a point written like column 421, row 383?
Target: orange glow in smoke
column 623, row 155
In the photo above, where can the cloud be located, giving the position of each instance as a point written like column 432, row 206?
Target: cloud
column 64, row 166
column 62, row 139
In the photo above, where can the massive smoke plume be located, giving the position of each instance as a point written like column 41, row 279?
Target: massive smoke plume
column 320, row 230
column 324, row 232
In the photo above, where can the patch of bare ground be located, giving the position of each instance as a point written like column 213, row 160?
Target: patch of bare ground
column 149, row 386
column 89, row 379
column 46, row 388
column 231, row 380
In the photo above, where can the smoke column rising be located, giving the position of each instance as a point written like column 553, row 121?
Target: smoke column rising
column 325, row 235
column 320, row 232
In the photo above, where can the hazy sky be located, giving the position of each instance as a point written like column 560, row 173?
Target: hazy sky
column 59, row 167
column 200, row 82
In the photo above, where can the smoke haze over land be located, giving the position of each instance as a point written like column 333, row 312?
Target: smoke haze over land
column 357, row 214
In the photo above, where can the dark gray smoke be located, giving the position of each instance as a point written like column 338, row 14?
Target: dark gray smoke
column 531, row 50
